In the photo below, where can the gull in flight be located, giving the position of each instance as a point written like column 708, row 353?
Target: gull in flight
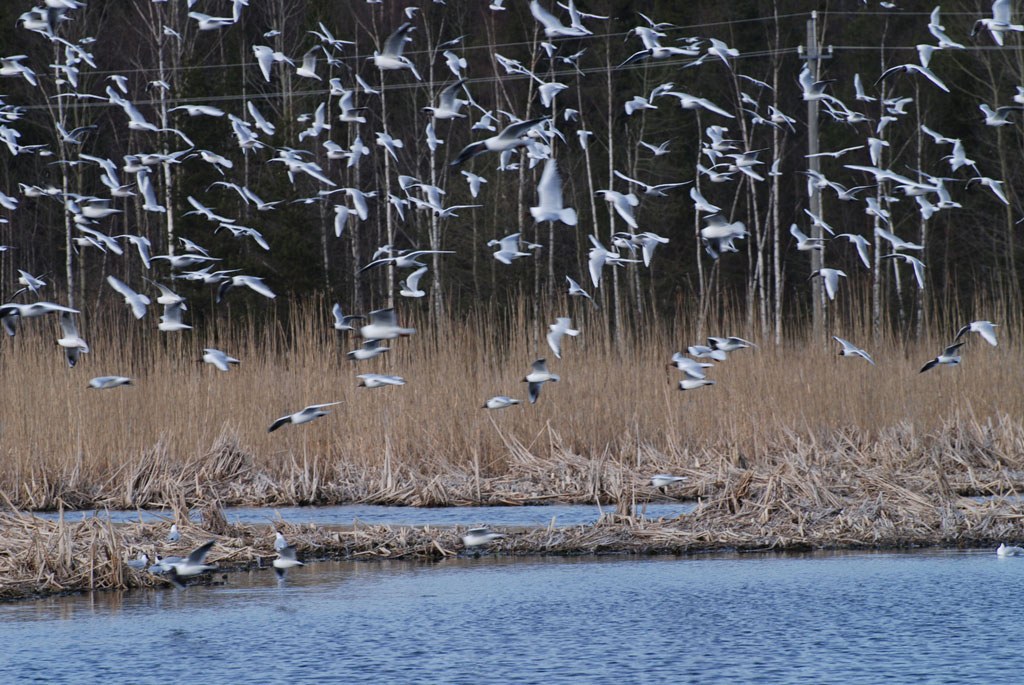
column 692, row 369
column 508, row 248
column 549, row 197
column 313, row 411
column 500, row 402
column 287, row 558
column 218, row 359
column 913, row 261
column 411, row 285
column 384, row 326
column 575, row 290
column 705, row 352
column 376, row 380
column 369, row 350
column 657, row 190
column 986, row 329
column 623, row 205
column 512, row 136
column 405, row 260
column 538, row 376
column 999, row 23
column 803, row 242
column 694, row 383
column 1000, row 116
column 729, row 344
column 554, row 28
column 477, row 537
column 862, row 246
column 70, row 340
column 136, row 301
column 105, row 382
column 948, row 356
column 171, row 321
column 192, row 565
column 557, row 331
column 663, row 480
column 449, row 103
column 391, row 57
column 31, row 283
column 831, row 278
column 254, row 283
column 653, row 49
column 343, row 322
column 851, row 350
column 719, row 234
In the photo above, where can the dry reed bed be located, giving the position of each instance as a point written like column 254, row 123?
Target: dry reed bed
column 186, row 433
column 843, row 498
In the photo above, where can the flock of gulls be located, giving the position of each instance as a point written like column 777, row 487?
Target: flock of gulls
column 507, row 144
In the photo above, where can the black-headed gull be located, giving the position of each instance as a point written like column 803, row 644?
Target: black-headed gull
column 384, row 326
column 851, row 350
column 171, row 321
column 70, row 340
column 575, row 290
column 691, row 367
column 391, row 57
column 831, row 278
column 369, row 350
column 508, row 248
column 663, row 480
column 343, row 322
column 137, row 302
column 287, row 557
column 948, row 356
column 1005, row 550
column 477, row 537
column 550, row 203
column 218, row 359
column 694, row 383
column 190, row 566
column 703, row 351
column 313, row 411
column 500, row 402
column 512, row 136
column 560, row 328
column 377, row 380
column 410, row 287
column 105, row 382
column 729, row 344
column 986, row 329
column 538, row 376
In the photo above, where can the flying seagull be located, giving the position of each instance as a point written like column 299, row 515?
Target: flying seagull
column 313, row 411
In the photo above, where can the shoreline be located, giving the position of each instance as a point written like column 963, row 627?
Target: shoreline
column 44, row 557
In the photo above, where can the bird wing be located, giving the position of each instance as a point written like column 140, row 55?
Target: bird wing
column 412, row 281
column 549, row 189
column 197, row 555
column 395, row 43
column 67, row 325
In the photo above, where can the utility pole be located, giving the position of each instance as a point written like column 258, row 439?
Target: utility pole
column 813, row 56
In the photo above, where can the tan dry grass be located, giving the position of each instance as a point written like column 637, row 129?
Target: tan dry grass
column 186, row 432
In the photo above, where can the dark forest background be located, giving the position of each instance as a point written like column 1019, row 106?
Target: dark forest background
column 971, row 252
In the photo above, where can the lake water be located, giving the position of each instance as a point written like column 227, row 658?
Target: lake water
column 534, row 515
column 936, row 617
